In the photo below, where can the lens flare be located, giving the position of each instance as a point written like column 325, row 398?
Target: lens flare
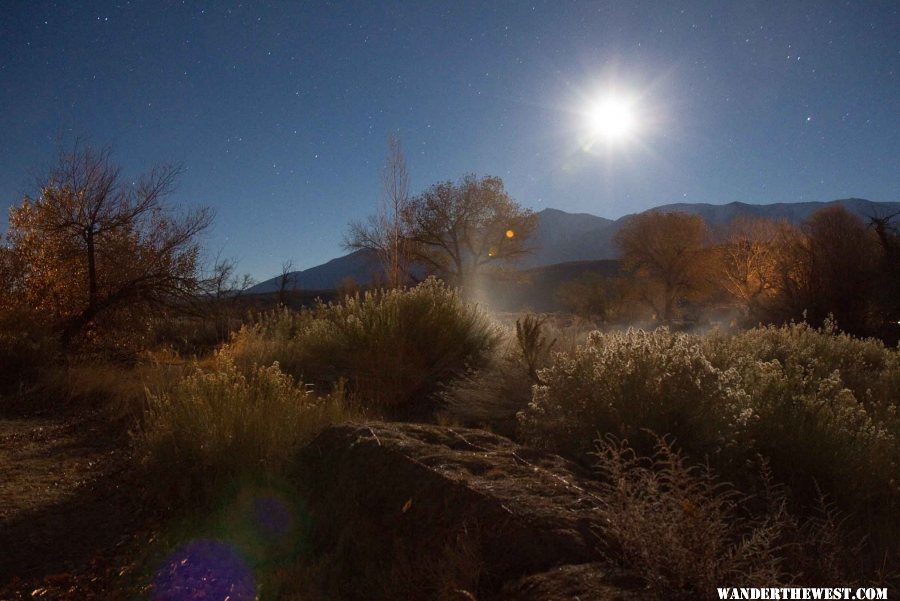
column 204, row 569
column 273, row 516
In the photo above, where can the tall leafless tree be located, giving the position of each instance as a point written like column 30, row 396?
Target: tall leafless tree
column 223, row 280
column 383, row 233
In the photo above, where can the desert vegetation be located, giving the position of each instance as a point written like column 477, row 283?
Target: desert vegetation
column 218, row 427
column 771, row 446
column 677, row 270
column 764, row 454
column 391, row 349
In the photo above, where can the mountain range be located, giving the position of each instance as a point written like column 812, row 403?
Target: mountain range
column 563, row 237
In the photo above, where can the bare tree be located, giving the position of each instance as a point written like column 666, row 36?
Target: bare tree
column 223, row 280
column 221, row 292
column 286, row 282
column 91, row 244
column 383, row 232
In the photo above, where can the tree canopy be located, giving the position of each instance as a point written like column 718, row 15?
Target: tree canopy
column 93, row 246
column 668, row 256
column 453, row 229
column 458, row 228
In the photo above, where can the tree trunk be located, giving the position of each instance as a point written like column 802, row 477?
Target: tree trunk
column 92, row 270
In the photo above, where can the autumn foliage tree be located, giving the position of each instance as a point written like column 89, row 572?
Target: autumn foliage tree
column 887, row 292
column 833, row 265
column 748, row 260
column 828, row 267
column 668, row 257
column 456, row 229
column 93, row 247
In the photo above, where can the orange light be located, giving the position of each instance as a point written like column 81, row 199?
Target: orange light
column 510, row 233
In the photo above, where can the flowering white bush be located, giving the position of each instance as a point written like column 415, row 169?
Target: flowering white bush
column 825, row 411
column 628, row 382
column 819, row 407
column 807, row 356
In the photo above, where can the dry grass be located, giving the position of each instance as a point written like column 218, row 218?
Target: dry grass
column 219, row 427
column 492, row 396
column 394, row 349
column 681, row 529
column 686, row 532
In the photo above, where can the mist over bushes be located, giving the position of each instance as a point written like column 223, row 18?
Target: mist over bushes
column 394, row 349
column 676, row 270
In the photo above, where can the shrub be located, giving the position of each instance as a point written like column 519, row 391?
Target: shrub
column 862, row 366
column 818, row 407
column 627, row 382
column 222, row 426
column 25, row 358
column 680, row 528
column 492, row 396
column 392, row 347
column 533, row 344
column 824, row 414
column 191, row 334
column 686, row 532
column 118, row 392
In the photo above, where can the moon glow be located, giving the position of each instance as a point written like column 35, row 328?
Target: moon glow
column 611, row 118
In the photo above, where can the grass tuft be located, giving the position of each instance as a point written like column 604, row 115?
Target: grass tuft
column 220, row 427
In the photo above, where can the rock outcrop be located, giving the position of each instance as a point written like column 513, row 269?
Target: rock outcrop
column 418, row 511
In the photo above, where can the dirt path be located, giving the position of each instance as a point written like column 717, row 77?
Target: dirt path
column 67, row 511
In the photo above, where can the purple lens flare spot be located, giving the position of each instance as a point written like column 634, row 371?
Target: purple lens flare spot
column 204, row 569
column 273, row 515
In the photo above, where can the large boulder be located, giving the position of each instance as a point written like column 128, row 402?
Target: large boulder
column 418, row 511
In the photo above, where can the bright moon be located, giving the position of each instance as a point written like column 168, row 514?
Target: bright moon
column 611, row 118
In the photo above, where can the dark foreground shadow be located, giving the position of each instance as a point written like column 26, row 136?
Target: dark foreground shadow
column 72, row 542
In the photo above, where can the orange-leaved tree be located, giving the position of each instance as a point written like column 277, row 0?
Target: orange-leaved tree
column 93, row 247
column 669, row 258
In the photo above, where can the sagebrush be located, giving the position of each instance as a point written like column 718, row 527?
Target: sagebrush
column 393, row 348
column 818, row 407
column 221, row 426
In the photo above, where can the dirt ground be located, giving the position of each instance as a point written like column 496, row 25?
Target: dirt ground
column 69, row 510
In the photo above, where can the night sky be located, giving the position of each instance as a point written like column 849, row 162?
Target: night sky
column 280, row 110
